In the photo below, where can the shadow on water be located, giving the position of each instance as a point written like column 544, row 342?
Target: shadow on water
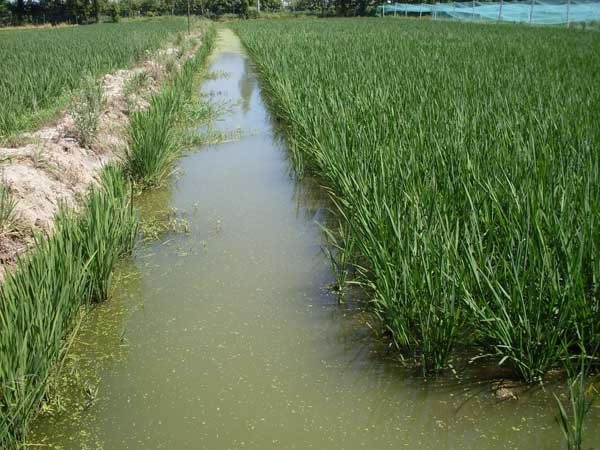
column 223, row 334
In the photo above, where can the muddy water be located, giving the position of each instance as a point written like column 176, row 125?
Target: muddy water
column 225, row 336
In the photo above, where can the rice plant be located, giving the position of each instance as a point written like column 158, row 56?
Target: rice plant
column 463, row 160
column 582, row 396
column 102, row 241
column 340, row 249
column 153, row 139
column 156, row 134
column 41, row 67
column 41, row 298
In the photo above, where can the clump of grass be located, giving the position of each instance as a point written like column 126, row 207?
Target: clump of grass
column 87, row 107
column 7, row 209
column 185, row 46
column 40, row 299
column 156, row 72
column 171, row 65
column 134, row 89
column 135, row 84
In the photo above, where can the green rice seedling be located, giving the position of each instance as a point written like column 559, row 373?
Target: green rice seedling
column 40, row 300
column 41, row 67
column 582, row 397
column 153, row 145
column 572, row 425
column 107, row 230
column 37, row 304
column 157, row 135
column 340, row 250
column 463, row 162
column 87, row 108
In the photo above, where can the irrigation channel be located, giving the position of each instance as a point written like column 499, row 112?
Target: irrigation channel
column 227, row 337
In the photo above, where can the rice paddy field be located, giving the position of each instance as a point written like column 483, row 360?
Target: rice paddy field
column 464, row 166
column 41, row 68
column 461, row 167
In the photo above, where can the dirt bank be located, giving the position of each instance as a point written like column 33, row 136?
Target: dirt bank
column 50, row 166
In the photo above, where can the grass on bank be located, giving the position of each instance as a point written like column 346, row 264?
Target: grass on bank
column 157, row 134
column 86, row 109
column 463, row 163
column 7, row 209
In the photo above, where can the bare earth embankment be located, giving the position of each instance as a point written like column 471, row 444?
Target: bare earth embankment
column 50, row 166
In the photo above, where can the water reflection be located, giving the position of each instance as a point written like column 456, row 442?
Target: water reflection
column 247, row 84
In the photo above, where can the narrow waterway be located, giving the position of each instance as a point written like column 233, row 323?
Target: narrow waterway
column 226, row 337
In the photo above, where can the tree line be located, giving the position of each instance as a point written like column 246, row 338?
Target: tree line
column 22, row 12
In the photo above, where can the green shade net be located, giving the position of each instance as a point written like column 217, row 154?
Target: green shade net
column 535, row 12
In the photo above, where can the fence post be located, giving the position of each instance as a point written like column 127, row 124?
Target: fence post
column 531, row 12
column 500, row 11
column 420, row 10
column 383, row 9
column 473, row 11
column 568, row 10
